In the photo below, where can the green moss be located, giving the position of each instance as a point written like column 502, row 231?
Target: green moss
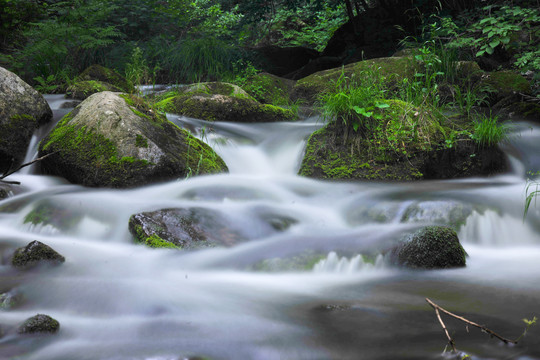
column 38, row 215
column 143, row 109
column 389, row 151
column 103, row 74
column 83, row 89
column 269, row 89
column 141, row 141
column 88, row 149
column 508, row 82
column 155, row 241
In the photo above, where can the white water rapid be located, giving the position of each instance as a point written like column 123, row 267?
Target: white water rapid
column 310, row 282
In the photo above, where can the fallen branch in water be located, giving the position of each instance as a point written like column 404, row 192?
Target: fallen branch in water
column 22, row 166
column 481, row 327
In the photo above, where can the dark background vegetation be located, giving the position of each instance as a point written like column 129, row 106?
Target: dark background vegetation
column 50, row 42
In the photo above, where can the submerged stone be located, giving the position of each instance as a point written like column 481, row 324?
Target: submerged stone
column 182, row 228
column 432, row 247
column 10, row 299
column 36, row 253
column 39, row 323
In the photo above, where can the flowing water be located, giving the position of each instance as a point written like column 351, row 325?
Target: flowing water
column 307, row 280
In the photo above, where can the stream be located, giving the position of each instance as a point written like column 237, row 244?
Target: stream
column 309, row 283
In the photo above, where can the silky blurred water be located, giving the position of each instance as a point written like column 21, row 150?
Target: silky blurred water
column 318, row 288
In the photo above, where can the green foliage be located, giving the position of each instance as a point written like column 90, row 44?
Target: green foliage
column 70, row 39
column 465, row 100
column 488, row 131
column 498, row 27
column 311, row 25
column 528, row 324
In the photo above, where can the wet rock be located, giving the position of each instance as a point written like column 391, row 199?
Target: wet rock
column 432, row 247
column 22, row 110
column 506, row 85
column 182, row 228
column 118, row 141
column 300, row 262
column 5, row 190
column 451, row 213
column 39, row 323
column 105, row 75
column 222, row 102
column 36, row 253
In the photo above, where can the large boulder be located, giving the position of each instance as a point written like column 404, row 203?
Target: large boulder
column 432, row 247
column 222, row 102
column 182, row 228
column 113, row 140
column 36, row 253
column 269, row 89
column 410, row 145
column 22, row 110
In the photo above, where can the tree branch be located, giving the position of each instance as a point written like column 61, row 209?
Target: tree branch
column 22, row 166
column 481, row 327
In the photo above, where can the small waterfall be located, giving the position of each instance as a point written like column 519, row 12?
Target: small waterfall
column 493, row 229
column 336, row 264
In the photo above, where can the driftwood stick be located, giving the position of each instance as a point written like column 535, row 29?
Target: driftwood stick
column 450, row 340
column 481, row 327
column 24, row 165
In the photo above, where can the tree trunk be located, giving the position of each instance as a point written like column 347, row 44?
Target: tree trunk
column 350, row 14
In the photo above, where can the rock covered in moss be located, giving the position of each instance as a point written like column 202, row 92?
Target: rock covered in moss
column 39, row 323
column 117, row 141
column 22, row 110
column 269, row 89
column 106, row 75
column 506, row 87
column 223, row 102
column 83, row 89
column 432, row 247
column 54, row 213
column 36, row 253
column 409, row 146
column 393, row 69
column 182, row 228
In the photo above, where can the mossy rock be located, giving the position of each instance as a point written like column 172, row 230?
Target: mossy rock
column 60, row 216
column 409, row 146
column 119, row 141
column 106, row 75
column 432, row 247
column 506, row 86
column 269, row 89
column 337, row 152
column 36, row 253
column 191, row 228
column 39, row 324
column 83, row 89
column 22, row 111
column 217, row 107
column 215, row 88
column 10, row 300
column 393, row 69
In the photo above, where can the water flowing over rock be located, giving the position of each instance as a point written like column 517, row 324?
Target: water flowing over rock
column 432, row 247
column 36, row 253
column 22, row 110
column 39, row 324
column 113, row 140
column 182, row 228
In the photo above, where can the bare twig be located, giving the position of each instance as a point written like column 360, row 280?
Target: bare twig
column 22, row 166
column 450, row 340
column 481, row 327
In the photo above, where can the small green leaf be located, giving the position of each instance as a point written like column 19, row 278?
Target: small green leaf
column 480, row 53
column 489, row 50
column 505, row 40
column 382, row 105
